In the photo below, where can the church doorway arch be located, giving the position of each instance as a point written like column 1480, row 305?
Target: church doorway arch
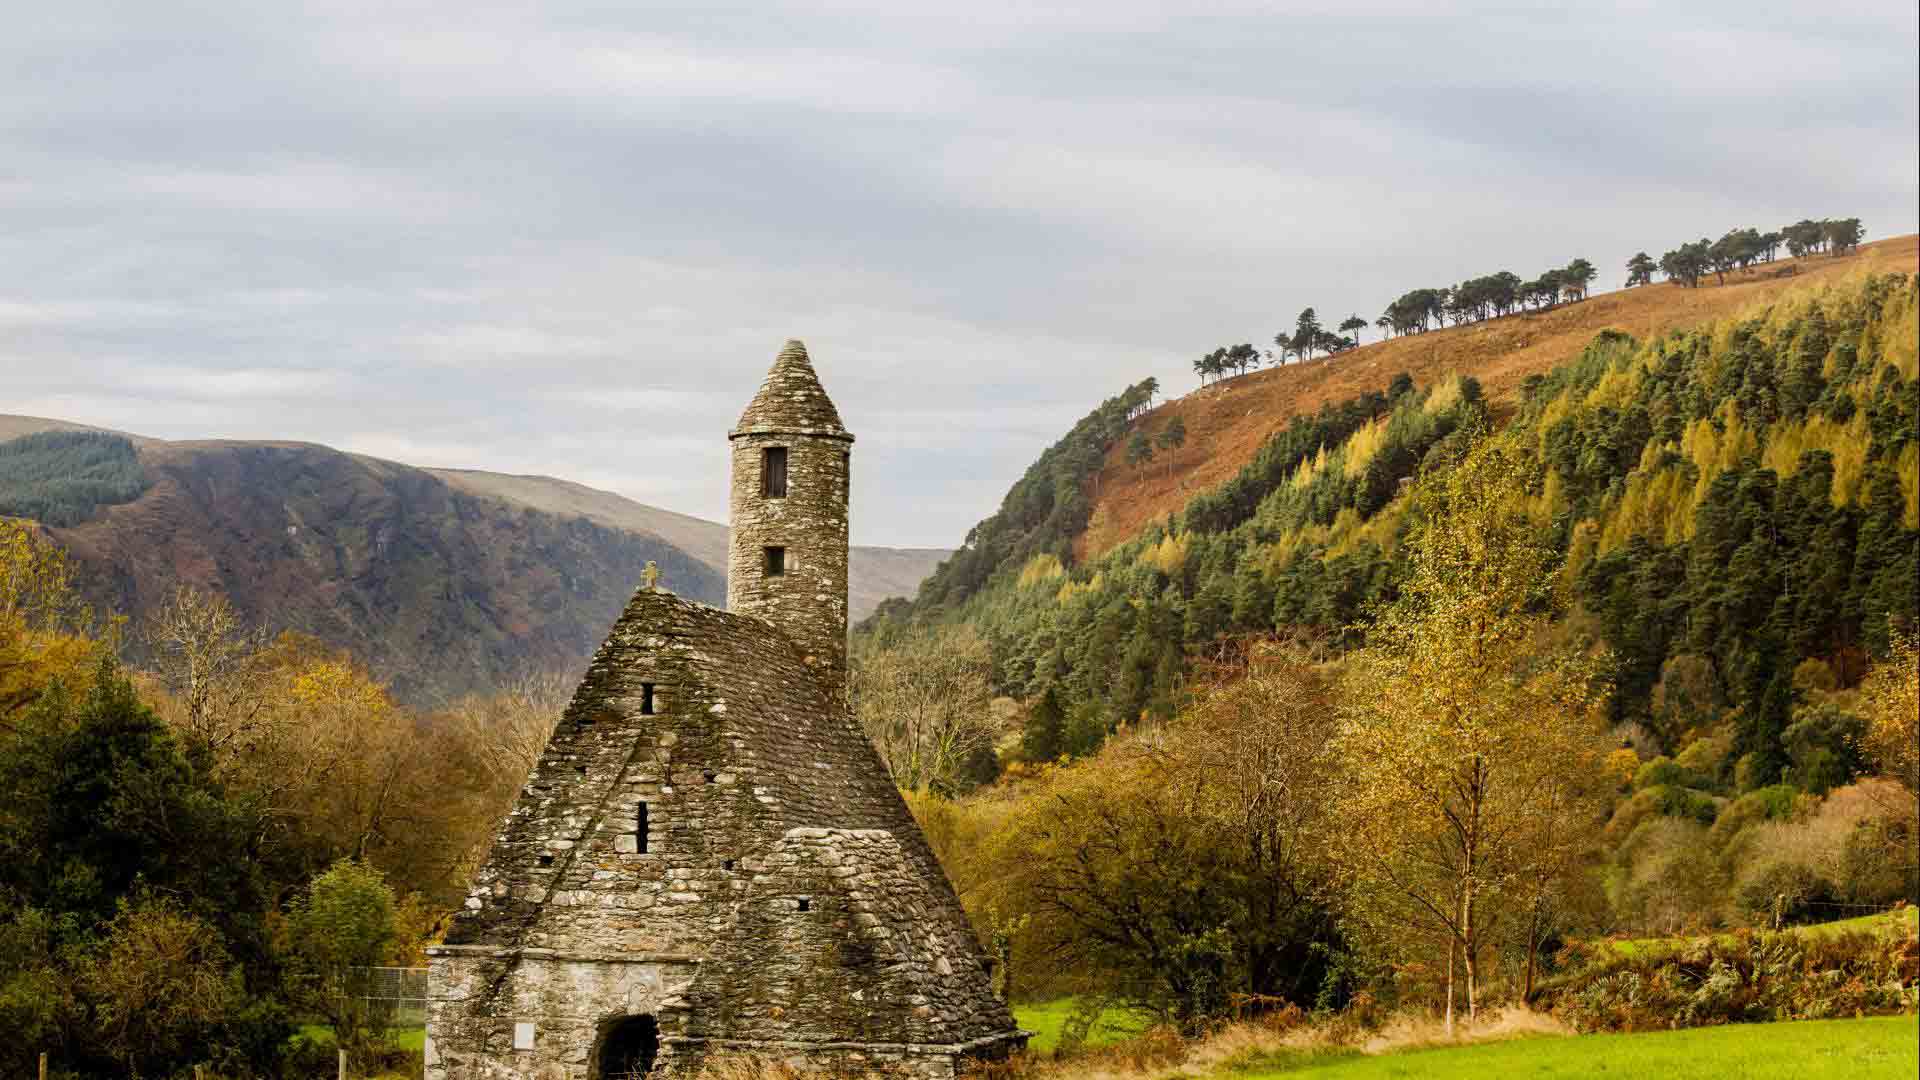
column 628, row 1047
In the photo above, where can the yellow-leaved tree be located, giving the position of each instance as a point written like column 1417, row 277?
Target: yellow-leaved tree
column 1473, row 750
column 44, row 625
column 1891, row 696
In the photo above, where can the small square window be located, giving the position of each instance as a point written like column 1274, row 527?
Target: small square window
column 523, row 1036
column 806, row 904
column 546, row 860
column 773, row 472
column 776, row 561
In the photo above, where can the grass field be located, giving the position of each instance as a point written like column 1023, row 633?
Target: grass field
column 1869, row 1049
column 1046, row 1019
column 413, row 1039
column 1907, row 921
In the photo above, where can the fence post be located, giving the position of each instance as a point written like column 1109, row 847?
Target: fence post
column 343, row 1065
column 43, row 1065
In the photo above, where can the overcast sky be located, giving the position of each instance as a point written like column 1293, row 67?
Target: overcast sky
column 569, row 238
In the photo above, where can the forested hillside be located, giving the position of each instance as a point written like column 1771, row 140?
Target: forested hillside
column 1734, row 501
column 1227, row 421
column 1433, row 686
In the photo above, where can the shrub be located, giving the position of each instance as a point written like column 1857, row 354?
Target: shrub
column 343, row 925
column 1823, row 744
column 1734, row 978
column 1877, row 866
column 164, row 990
column 1775, row 803
column 1685, row 803
column 1814, row 674
column 1663, row 771
column 1660, row 801
column 1708, row 757
column 1782, row 890
column 1663, row 879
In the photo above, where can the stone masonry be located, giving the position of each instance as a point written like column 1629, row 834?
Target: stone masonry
column 808, row 601
column 709, row 857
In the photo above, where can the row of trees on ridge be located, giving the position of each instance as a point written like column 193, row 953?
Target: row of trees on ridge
column 1741, row 248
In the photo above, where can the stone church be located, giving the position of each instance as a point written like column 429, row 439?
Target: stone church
column 709, row 857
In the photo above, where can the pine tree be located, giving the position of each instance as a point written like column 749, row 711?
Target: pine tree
column 1044, row 735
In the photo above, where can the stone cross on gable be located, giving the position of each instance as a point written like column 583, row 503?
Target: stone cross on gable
column 651, row 575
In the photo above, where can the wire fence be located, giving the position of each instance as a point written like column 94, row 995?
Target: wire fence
column 397, row 993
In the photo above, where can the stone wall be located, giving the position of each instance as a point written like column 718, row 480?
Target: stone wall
column 566, row 1000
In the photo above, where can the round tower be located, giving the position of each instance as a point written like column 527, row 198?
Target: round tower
column 792, row 467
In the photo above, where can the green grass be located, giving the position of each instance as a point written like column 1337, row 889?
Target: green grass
column 1046, row 1019
column 1886, row 1046
column 1907, row 920
column 413, row 1039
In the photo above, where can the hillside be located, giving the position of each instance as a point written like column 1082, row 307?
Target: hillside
column 1736, row 501
column 1228, row 422
column 443, row 581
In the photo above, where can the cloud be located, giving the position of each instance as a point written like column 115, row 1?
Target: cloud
column 569, row 237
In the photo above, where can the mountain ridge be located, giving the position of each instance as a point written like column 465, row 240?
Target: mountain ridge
column 443, row 581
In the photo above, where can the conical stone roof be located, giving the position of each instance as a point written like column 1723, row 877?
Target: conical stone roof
column 791, row 401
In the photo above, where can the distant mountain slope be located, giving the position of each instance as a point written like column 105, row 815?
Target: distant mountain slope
column 443, row 581
column 1229, row 421
column 875, row 573
column 439, row 590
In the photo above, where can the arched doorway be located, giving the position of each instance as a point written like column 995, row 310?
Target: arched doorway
column 627, row 1049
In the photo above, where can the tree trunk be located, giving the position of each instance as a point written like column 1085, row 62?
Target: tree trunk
column 1467, row 949
column 1452, row 947
column 1533, row 951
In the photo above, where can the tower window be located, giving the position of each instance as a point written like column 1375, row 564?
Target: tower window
column 773, row 472
column 640, row 828
column 776, row 561
column 646, row 699
column 846, row 472
column 806, row 904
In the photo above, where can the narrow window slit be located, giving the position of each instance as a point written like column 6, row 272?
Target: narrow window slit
column 640, row 828
column 773, row 472
column 646, row 699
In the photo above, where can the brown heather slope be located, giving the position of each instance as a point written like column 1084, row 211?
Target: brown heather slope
column 1228, row 421
column 439, row 591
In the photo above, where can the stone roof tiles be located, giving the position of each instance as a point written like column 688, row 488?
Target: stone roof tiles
column 791, row 401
